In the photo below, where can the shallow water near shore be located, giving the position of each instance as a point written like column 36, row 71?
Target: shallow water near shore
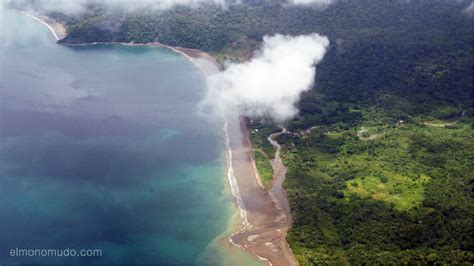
column 101, row 147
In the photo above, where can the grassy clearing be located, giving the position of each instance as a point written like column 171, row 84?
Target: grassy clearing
column 401, row 191
column 262, row 149
column 264, row 166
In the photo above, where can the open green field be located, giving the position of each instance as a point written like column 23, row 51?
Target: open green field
column 262, row 149
column 264, row 166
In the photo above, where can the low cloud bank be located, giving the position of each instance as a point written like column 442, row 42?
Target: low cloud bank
column 323, row 3
column 75, row 6
column 470, row 9
column 269, row 84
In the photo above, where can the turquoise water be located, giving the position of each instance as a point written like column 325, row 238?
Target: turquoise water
column 101, row 147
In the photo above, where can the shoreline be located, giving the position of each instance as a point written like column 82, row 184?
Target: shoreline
column 264, row 225
column 57, row 28
column 266, row 240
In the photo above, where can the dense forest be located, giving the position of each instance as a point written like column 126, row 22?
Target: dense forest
column 388, row 177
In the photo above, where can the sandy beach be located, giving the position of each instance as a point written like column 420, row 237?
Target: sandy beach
column 57, row 29
column 269, row 222
column 264, row 214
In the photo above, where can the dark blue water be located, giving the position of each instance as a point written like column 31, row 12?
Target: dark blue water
column 101, row 147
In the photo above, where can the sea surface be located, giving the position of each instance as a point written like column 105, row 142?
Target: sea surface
column 102, row 147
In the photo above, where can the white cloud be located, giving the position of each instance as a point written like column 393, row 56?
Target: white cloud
column 323, row 3
column 74, row 6
column 51, row 5
column 269, row 84
column 470, row 9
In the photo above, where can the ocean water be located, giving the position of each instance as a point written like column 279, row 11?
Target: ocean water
column 102, row 147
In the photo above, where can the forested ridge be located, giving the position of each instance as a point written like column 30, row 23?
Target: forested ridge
column 388, row 176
